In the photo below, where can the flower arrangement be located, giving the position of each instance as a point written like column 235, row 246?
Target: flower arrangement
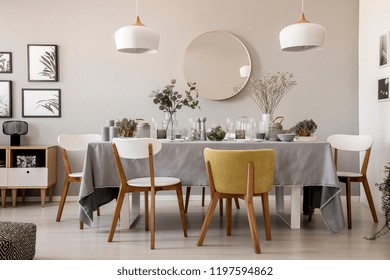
column 169, row 100
column 268, row 89
column 384, row 187
column 216, row 133
column 126, row 127
column 304, row 128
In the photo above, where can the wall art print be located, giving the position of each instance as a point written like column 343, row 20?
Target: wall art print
column 5, row 99
column 383, row 50
column 5, row 62
column 383, row 89
column 38, row 103
column 42, row 63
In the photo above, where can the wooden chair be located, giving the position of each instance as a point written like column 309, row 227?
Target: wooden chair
column 142, row 148
column 72, row 143
column 354, row 143
column 239, row 174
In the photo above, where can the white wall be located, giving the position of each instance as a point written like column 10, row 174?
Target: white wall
column 374, row 116
column 99, row 83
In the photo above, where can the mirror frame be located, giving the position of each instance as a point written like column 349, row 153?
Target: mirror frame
column 206, row 94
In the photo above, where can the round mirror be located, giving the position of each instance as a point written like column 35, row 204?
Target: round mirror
column 219, row 63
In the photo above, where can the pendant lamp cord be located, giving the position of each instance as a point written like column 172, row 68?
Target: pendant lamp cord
column 303, row 5
column 136, row 8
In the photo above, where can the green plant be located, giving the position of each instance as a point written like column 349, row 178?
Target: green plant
column 384, row 187
column 268, row 89
column 126, row 127
column 304, row 128
column 216, row 133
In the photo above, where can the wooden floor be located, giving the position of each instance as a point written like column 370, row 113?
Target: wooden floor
column 64, row 240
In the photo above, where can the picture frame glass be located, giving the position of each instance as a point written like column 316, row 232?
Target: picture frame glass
column 5, row 62
column 42, row 63
column 41, row 103
column 383, row 50
column 383, row 89
column 5, row 99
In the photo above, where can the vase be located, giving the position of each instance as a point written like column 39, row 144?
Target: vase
column 266, row 120
column 170, row 123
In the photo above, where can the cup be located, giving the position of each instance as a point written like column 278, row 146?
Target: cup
column 240, row 133
column 260, row 135
column 114, row 132
column 161, row 133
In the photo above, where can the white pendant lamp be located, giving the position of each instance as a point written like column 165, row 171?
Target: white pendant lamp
column 137, row 38
column 302, row 35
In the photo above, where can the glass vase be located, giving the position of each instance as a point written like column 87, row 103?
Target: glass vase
column 170, row 123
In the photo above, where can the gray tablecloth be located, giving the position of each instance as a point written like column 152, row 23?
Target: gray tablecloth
column 297, row 164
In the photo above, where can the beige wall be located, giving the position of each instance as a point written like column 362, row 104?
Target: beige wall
column 99, row 83
column 374, row 116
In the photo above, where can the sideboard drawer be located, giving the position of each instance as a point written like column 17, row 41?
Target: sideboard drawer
column 27, row 177
column 3, row 177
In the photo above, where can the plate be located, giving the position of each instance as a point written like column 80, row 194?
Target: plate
column 305, row 138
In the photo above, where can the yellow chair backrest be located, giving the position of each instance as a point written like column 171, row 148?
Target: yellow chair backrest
column 229, row 169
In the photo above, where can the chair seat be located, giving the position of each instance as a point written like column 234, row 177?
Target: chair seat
column 159, row 181
column 76, row 174
column 348, row 174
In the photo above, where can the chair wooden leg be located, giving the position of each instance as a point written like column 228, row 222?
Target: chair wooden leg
column 188, row 192
column 369, row 199
column 179, row 194
column 228, row 216
column 43, row 196
column 252, row 225
column 117, row 211
column 62, row 200
column 3, row 197
column 23, row 196
column 203, row 195
column 267, row 220
column 207, row 219
column 237, row 202
column 81, row 225
column 98, row 211
column 221, row 207
column 152, row 219
column 348, row 195
column 146, row 200
column 51, row 193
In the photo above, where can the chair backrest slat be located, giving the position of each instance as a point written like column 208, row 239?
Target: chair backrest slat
column 136, row 148
column 353, row 143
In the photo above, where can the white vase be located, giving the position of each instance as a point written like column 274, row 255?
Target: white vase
column 266, row 120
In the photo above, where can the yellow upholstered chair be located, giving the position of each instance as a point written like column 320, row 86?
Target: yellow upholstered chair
column 143, row 148
column 354, row 143
column 239, row 174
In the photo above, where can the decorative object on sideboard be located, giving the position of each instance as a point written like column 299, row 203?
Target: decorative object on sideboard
column 5, row 99
column 42, row 63
column 137, row 38
column 14, row 129
column 302, row 36
column 37, row 103
column 304, row 128
column 126, row 127
column 170, row 101
column 5, row 62
column 384, row 187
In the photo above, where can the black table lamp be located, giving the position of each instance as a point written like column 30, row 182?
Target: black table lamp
column 15, row 129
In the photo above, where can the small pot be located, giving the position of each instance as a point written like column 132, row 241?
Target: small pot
column 275, row 128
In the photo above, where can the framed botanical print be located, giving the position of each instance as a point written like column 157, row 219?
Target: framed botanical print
column 5, row 62
column 5, row 99
column 383, row 50
column 42, row 63
column 383, row 89
column 39, row 103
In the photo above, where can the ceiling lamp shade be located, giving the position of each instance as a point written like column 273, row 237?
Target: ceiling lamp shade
column 302, row 36
column 137, row 38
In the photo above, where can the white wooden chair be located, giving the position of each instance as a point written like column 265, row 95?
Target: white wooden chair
column 72, row 143
column 143, row 148
column 354, row 143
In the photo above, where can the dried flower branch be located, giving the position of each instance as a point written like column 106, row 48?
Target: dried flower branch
column 268, row 89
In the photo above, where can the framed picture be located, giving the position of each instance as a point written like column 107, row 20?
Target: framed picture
column 383, row 50
column 38, row 103
column 5, row 99
column 42, row 63
column 383, row 89
column 5, row 62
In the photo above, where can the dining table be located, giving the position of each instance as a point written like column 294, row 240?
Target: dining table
column 297, row 165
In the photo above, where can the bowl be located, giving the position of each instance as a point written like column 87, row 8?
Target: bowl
column 287, row 137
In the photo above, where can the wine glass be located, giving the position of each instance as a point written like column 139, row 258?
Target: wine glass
column 229, row 127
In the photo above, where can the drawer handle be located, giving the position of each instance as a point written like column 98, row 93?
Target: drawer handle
column 28, row 171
